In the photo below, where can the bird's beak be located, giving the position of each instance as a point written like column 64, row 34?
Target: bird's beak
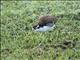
column 37, row 26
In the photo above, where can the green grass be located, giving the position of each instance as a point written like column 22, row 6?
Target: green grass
column 19, row 42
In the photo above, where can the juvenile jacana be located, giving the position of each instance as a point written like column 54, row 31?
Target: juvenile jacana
column 45, row 23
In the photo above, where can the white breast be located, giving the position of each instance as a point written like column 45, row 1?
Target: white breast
column 45, row 28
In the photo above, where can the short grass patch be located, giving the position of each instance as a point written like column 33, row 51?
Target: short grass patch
column 20, row 42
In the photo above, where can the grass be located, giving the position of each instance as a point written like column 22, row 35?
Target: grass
column 19, row 42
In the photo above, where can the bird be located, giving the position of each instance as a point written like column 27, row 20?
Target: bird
column 45, row 23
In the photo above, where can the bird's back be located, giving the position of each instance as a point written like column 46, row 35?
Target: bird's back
column 47, row 19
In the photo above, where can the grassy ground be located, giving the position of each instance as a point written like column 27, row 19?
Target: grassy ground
column 19, row 42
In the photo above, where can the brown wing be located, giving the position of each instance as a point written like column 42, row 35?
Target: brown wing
column 47, row 19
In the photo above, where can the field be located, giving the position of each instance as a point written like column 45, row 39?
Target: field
column 20, row 42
